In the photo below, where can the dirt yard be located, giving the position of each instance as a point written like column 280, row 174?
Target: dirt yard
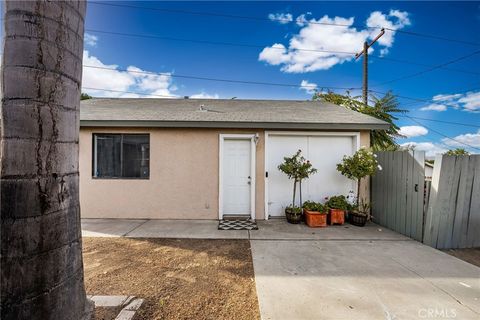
column 178, row 278
column 469, row 255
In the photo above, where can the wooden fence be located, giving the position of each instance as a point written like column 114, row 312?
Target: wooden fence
column 398, row 192
column 453, row 214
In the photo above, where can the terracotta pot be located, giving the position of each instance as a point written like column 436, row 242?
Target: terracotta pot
column 315, row 219
column 336, row 216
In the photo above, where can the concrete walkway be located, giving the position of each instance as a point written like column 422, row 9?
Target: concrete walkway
column 362, row 280
column 340, row 272
column 276, row 229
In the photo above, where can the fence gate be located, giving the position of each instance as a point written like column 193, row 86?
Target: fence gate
column 398, row 192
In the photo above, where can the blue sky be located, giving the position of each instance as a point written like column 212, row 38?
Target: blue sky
column 261, row 63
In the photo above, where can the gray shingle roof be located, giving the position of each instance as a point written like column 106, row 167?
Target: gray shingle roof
column 272, row 114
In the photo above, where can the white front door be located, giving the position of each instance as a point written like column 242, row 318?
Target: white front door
column 236, row 176
column 324, row 152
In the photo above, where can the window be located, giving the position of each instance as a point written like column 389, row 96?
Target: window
column 121, row 156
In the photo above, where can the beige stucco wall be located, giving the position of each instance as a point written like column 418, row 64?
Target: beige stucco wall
column 184, row 178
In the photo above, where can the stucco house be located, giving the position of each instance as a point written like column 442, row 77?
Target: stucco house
column 209, row 159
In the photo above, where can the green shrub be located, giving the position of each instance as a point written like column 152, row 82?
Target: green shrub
column 338, row 202
column 314, row 206
column 363, row 163
column 295, row 210
column 297, row 168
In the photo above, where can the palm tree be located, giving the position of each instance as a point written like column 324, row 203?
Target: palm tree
column 383, row 108
column 41, row 248
column 457, row 152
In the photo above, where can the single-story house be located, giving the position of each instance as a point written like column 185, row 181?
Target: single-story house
column 209, row 159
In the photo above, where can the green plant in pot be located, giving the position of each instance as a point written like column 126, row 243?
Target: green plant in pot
column 337, row 206
column 297, row 168
column 356, row 167
column 360, row 213
column 315, row 214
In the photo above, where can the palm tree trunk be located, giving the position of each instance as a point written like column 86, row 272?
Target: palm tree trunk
column 41, row 248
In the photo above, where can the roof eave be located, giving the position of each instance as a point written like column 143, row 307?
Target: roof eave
column 233, row 124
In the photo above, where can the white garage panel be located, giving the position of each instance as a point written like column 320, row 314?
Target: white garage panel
column 324, row 152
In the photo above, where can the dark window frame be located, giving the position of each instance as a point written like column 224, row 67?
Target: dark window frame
column 94, row 152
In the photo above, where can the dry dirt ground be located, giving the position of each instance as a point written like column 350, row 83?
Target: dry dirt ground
column 178, row 278
column 469, row 255
column 106, row 313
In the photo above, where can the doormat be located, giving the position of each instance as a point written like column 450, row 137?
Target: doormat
column 237, row 225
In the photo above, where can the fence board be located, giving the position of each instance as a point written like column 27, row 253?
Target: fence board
column 409, row 201
column 429, row 230
column 393, row 200
column 418, row 187
column 402, row 201
column 460, row 220
column 453, row 199
column 443, row 199
column 380, row 199
column 473, row 233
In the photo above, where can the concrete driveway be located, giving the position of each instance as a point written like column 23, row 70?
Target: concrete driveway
column 359, row 279
column 339, row 272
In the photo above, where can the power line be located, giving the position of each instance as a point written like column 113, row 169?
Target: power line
column 423, row 99
column 430, row 69
column 443, row 135
column 248, row 45
column 441, row 121
column 382, row 58
column 221, row 43
column 220, row 80
column 132, row 92
column 225, row 15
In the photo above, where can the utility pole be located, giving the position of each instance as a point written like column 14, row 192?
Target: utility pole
column 364, row 52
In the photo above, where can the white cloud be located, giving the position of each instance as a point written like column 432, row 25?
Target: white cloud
column 431, row 149
column 469, row 102
column 461, row 141
column 318, row 35
column 203, row 95
column 446, row 97
column 434, row 107
column 301, row 20
column 149, row 85
column 394, row 20
column 413, row 131
column 309, row 87
column 282, row 18
column 90, row 40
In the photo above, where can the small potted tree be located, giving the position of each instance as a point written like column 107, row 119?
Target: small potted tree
column 315, row 214
column 337, row 206
column 297, row 168
column 362, row 164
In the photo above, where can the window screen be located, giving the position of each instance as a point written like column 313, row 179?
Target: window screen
column 121, row 156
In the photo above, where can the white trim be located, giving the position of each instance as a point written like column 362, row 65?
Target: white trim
column 354, row 134
column 253, row 149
